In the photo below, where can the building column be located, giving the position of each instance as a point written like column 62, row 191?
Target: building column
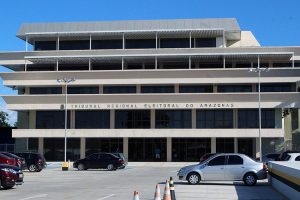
column 169, row 149
column 176, row 88
column 41, row 146
column 152, row 119
column 100, row 89
column 235, row 118
column 32, row 119
column 213, row 145
column 138, row 88
column 257, row 148
column 72, row 119
column 236, row 145
column 82, row 147
column 194, row 118
column 125, row 147
column 215, row 88
column 112, row 119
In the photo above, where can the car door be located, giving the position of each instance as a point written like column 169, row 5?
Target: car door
column 106, row 159
column 234, row 167
column 92, row 161
column 214, row 170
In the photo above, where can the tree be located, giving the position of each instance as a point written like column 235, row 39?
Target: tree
column 4, row 119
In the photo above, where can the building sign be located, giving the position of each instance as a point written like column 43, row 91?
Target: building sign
column 109, row 106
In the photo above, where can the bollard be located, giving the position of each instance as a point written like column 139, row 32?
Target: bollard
column 157, row 193
column 167, row 195
column 136, row 195
column 65, row 166
column 172, row 189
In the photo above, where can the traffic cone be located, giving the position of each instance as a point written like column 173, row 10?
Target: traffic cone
column 167, row 195
column 172, row 189
column 157, row 193
column 136, row 195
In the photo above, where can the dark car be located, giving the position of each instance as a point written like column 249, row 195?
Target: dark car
column 10, row 176
column 35, row 162
column 283, row 156
column 122, row 156
column 20, row 162
column 7, row 160
column 206, row 156
column 99, row 161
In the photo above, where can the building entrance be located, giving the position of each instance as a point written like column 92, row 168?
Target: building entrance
column 147, row 149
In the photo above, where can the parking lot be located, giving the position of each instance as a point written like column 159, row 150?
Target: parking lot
column 52, row 183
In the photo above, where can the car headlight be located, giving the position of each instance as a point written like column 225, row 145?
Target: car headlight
column 9, row 170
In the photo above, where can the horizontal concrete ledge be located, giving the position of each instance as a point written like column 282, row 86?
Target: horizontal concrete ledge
column 145, row 133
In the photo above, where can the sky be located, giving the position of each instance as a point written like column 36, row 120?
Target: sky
column 273, row 22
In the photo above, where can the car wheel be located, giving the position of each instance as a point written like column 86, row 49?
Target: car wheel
column 110, row 167
column 250, row 179
column 0, row 183
column 7, row 187
column 81, row 167
column 39, row 170
column 32, row 168
column 193, row 178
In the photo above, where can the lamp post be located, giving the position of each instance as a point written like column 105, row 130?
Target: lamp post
column 66, row 81
column 259, row 70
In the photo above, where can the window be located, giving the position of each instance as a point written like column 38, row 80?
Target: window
column 74, row 45
column 44, row 45
column 93, row 157
column 119, row 89
column 41, row 67
column 220, row 160
column 234, row 88
column 297, row 158
column 214, row 118
column 92, row 119
column 195, row 89
column 130, row 119
column 94, row 145
column 83, row 90
column 277, row 87
column 248, row 118
column 235, row 160
column 107, row 66
column 51, row 119
column 107, row 44
column 45, row 90
column 33, row 144
column 157, row 89
column 173, row 119
column 225, row 145
column 174, row 43
column 140, row 43
column 73, row 67
column 205, row 42
column 54, row 149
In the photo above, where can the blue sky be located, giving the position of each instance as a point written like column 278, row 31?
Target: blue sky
column 273, row 22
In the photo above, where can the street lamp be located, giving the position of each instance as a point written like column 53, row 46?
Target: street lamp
column 259, row 70
column 66, row 81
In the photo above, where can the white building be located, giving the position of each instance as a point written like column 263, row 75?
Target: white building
column 156, row 90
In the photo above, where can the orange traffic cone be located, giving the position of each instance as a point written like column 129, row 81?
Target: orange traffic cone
column 136, row 195
column 167, row 194
column 157, row 193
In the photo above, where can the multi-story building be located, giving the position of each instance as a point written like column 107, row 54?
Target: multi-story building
column 156, row 90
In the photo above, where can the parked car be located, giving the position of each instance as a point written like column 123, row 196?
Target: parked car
column 10, row 176
column 292, row 157
column 99, row 161
column 269, row 157
column 7, row 160
column 283, row 155
column 35, row 162
column 229, row 166
column 121, row 155
column 206, row 156
column 20, row 162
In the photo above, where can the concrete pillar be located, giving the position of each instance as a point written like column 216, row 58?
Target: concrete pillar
column 220, row 42
column 169, row 149
column 278, row 118
column 82, row 147
column 152, row 118
column 72, row 119
column 41, row 146
column 257, row 153
column 253, row 87
column 235, row 145
column 27, row 90
column 213, row 145
column 112, row 119
column 194, row 118
column 176, row 88
column 125, row 147
column 215, row 88
column 32, row 119
column 235, row 118
column 100, row 89
column 138, row 88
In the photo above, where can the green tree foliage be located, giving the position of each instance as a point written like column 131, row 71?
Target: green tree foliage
column 4, row 119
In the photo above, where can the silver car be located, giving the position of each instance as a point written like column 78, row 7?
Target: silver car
column 227, row 166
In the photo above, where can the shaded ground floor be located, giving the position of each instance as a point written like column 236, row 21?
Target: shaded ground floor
column 149, row 149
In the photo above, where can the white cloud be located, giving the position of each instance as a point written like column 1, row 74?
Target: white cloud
column 12, row 115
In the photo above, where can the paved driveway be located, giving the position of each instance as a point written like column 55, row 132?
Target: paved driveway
column 119, row 185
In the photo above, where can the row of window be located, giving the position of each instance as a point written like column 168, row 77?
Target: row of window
column 274, row 87
column 128, row 44
column 135, row 119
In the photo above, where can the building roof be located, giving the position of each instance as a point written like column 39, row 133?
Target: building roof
column 226, row 24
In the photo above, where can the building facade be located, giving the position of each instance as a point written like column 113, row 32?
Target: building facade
column 156, row 90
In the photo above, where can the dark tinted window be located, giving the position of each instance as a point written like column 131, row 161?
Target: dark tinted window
column 107, row 66
column 105, row 156
column 157, row 89
column 93, row 157
column 235, row 160
column 140, row 43
column 248, row 118
column 51, row 119
column 297, row 158
column 214, row 119
column 44, row 45
column 45, row 90
column 92, row 119
column 83, row 90
column 173, row 119
column 72, row 67
column 41, row 67
column 277, row 87
column 132, row 119
column 195, row 88
column 74, row 45
column 107, row 44
column 205, row 42
column 234, row 88
column 119, row 89
column 175, row 43
column 220, row 160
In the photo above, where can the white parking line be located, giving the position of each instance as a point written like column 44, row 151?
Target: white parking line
column 106, row 197
column 36, row 196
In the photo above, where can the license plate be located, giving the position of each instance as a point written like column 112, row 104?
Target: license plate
column 20, row 175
